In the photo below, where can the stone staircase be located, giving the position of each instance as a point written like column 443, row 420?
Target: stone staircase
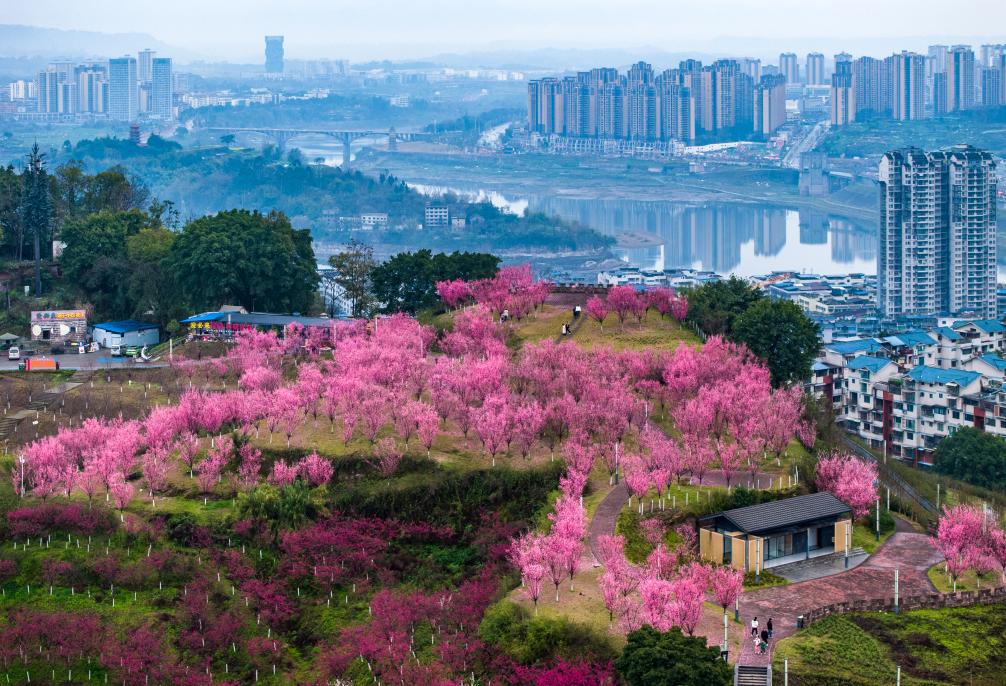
column 42, row 401
column 750, row 675
column 7, row 426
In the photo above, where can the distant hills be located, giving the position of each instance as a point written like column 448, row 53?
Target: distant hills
column 36, row 42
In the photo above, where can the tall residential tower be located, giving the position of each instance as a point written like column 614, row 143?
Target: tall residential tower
column 937, row 248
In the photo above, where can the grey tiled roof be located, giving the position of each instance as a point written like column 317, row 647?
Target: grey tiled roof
column 787, row 512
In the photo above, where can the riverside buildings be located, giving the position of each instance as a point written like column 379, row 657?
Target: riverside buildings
column 682, row 104
column 937, row 243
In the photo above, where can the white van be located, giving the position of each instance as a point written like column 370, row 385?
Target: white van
column 14, row 353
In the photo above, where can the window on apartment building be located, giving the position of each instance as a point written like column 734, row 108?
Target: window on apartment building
column 862, row 387
column 910, row 424
column 955, row 414
column 909, row 435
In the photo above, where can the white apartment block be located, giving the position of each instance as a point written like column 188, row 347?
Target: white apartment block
column 906, row 392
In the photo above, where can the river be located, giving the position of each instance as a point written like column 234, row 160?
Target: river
column 729, row 238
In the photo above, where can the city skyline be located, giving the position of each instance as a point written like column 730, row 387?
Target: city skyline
column 397, row 30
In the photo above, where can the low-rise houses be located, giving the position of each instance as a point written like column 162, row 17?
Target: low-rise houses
column 904, row 392
column 652, row 278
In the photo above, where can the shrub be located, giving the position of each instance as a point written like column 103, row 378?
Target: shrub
column 671, row 659
column 533, row 640
column 50, row 518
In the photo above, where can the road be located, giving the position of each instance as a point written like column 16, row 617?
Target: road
column 809, row 142
column 99, row 360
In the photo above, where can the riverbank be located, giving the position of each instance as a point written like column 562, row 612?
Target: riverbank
column 583, row 178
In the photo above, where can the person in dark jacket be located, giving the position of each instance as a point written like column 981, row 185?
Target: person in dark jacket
column 769, row 627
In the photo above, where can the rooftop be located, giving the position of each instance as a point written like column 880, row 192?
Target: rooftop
column 125, row 325
column 925, row 374
column 995, row 361
column 784, row 513
column 911, row 338
column 947, row 333
column 873, row 364
column 987, row 325
column 858, row 345
column 257, row 319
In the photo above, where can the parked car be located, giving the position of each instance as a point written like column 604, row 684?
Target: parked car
column 14, row 353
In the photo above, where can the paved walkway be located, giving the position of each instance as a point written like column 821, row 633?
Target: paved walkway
column 606, row 515
column 910, row 552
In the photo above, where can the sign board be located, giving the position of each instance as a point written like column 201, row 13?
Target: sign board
column 59, row 326
column 57, row 315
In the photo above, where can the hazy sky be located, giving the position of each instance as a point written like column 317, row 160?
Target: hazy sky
column 232, row 29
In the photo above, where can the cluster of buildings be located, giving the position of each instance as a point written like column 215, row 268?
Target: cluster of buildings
column 911, row 85
column 728, row 96
column 121, row 89
column 903, row 393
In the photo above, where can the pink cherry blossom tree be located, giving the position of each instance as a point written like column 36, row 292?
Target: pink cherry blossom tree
column 315, row 469
column 597, row 310
column 623, row 300
column 851, row 480
column 283, row 473
column 388, row 455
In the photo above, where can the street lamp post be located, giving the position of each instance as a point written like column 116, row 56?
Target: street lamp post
column 878, row 519
column 897, row 575
column 847, row 543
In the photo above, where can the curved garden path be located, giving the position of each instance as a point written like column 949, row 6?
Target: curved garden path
column 606, row 514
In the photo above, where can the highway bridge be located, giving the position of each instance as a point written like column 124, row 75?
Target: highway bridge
column 281, row 137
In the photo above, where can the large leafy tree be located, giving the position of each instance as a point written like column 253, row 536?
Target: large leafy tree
column 353, row 268
column 95, row 259
column 152, row 287
column 246, row 258
column 714, row 306
column 973, row 456
column 671, row 659
column 407, row 281
column 10, row 210
column 780, row 333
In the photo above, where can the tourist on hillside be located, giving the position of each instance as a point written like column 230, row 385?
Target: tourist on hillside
column 764, row 636
column 769, row 627
column 754, row 626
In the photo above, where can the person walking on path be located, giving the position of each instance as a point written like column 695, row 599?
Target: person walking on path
column 764, row 636
column 754, row 626
column 769, row 627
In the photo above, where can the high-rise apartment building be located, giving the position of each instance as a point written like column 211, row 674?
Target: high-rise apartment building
column 908, row 86
column 602, row 104
column 991, row 53
column 769, row 104
column 960, row 79
column 751, row 67
column 991, row 87
column 145, row 65
column 937, row 249
column 92, row 89
column 789, row 65
column 274, row 54
column 815, row 69
column 123, row 98
column 161, row 89
column 871, row 84
column 843, row 95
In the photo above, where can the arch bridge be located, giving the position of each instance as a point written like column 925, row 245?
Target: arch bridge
column 281, row 137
